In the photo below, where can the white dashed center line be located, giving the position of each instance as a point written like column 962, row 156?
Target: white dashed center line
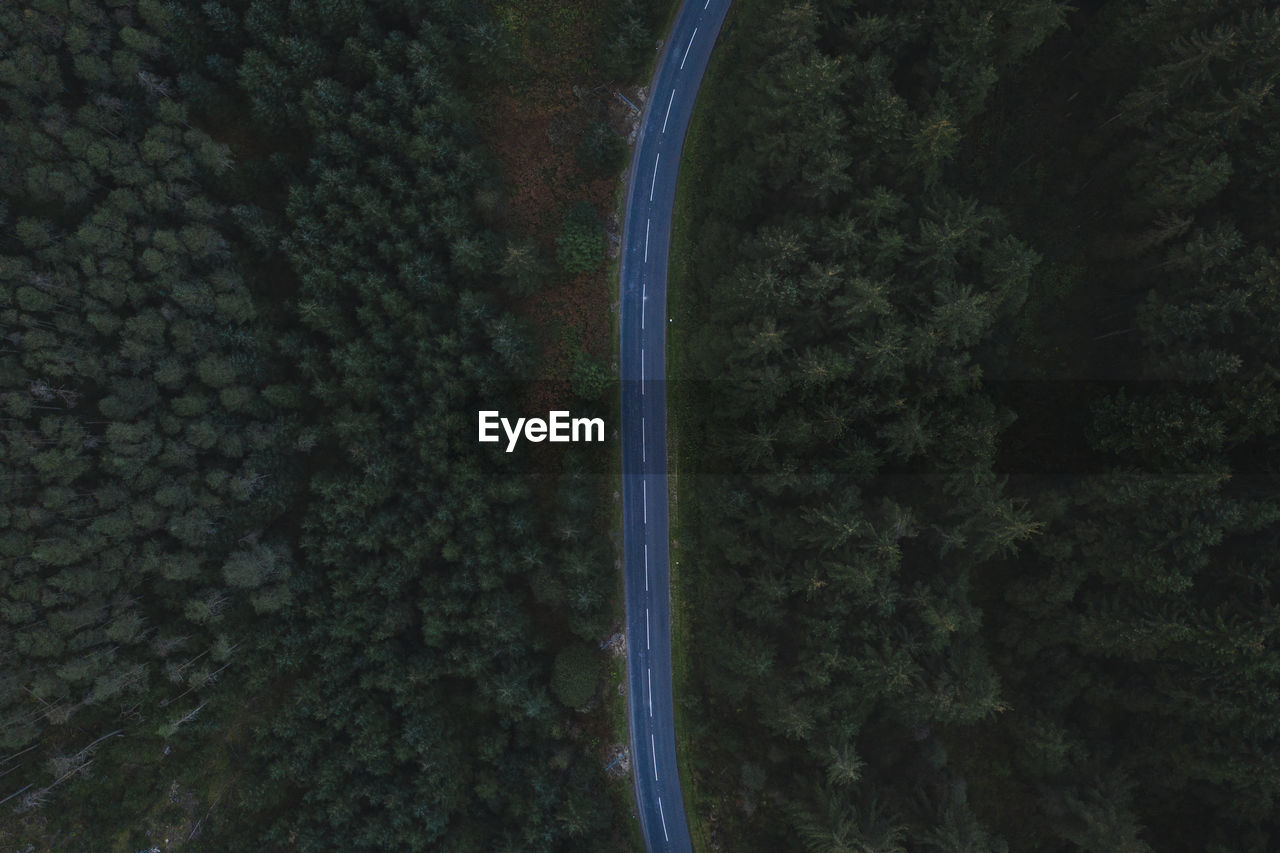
column 665, row 119
column 686, row 50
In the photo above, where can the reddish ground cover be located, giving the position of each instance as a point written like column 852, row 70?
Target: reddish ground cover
column 534, row 128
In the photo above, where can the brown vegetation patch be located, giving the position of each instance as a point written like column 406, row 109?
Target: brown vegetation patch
column 533, row 128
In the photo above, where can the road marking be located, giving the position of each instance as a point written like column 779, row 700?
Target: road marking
column 644, row 499
column 651, row 693
column 654, row 182
column 653, row 745
column 642, row 445
column 646, row 567
column 664, row 130
column 705, row 5
column 641, row 373
column 686, row 50
column 646, row 628
column 665, row 837
column 646, row 240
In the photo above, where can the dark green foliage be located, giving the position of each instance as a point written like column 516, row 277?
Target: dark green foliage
column 580, row 583
column 591, row 378
column 574, row 676
column 1001, row 437
column 629, row 36
column 602, row 152
column 136, row 457
column 580, row 246
column 250, row 546
column 522, row 269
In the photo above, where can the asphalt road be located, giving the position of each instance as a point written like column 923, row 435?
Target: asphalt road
column 646, row 237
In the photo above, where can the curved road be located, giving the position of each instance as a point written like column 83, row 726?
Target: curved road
column 646, row 235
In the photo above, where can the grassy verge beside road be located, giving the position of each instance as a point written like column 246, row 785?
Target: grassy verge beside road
column 683, row 444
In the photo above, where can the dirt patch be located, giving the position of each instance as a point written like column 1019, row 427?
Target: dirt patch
column 534, row 128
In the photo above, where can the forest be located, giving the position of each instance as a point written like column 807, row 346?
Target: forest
column 259, row 586
column 979, row 505
column 979, row 508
